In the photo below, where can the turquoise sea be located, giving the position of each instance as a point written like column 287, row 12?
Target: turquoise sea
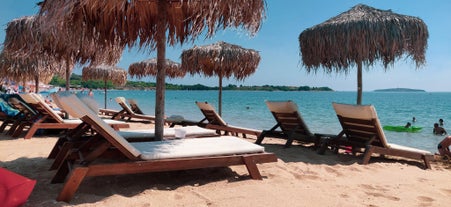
column 248, row 109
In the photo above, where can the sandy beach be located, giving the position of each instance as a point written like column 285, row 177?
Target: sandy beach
column 301, row 177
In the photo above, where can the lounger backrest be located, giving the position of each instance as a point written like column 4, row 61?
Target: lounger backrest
column 288, row 117
column 124, row 105
column 57, row 97
column 210, row 113
column 39, row 105
column 134, row 106
column 100, row 125
column 360, row 122
column 56, row 100
column 21, row 106
column 89, row 101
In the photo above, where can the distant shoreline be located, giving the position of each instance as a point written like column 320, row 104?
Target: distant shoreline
column 399, row 90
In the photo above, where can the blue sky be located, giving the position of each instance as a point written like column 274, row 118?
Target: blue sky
column 277, row 42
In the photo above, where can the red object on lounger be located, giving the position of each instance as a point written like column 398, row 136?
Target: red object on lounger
column 14, row 188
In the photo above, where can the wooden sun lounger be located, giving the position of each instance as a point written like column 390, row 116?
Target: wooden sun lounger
column 128, row 113
column 50, row 119
column 23, row 119
column 363, row 132
column 292, row 126
column 157, row 156
column 134, row 106
column 78, row 136
column 214, row 121
column 108, row 112
column 75, row 137
column 134, row 112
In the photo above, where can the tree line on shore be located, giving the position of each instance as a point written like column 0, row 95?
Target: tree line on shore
column 77, row 82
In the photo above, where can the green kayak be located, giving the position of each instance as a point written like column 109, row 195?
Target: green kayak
column 403, row 129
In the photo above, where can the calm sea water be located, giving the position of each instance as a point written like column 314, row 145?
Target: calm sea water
column 248, row 109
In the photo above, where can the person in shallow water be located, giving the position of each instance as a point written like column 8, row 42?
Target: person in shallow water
column 408, row 125
column 438, row 130
column 443, row 147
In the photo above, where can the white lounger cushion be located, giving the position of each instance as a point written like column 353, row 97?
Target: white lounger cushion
column 191, row 131
column 180, row 148
column 410, row 149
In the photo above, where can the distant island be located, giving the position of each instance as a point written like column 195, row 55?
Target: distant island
column 399, row 90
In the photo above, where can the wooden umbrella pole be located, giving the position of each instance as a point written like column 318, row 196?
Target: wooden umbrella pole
column 220, row 94
column 67, row 74
column 36, row 83
column 359, row 83
column 161, row 53
column 105, row 92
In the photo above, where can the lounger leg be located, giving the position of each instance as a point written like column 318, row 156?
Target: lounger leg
column 62, row 172
column 31, row 132
column 19, row 130
column 323, row 146
column 260, row 138
column 426, row 159
column 252, row 167
column 62, row 155
column 3, row 126
column 72, row 184
column 56, row 148
column 368, row 152
column 13, row 127
column 289, row 141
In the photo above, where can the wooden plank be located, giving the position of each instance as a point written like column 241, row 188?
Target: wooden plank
column 72, row 184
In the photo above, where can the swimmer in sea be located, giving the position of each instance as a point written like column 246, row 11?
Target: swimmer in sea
column 438, row 130
column 408, row 125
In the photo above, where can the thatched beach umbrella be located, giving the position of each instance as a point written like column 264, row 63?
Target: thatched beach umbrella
column 116, row 75
column 153, row 23
column 24, row 40
column 363, row 35
column 22, row 59
column 25, row 37
column 29, row 68
column 220, row 59
column 149, row 68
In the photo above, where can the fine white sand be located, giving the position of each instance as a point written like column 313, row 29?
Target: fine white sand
column 301, row 177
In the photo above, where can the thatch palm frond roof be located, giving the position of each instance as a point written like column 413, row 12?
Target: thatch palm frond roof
column 116, row 75
column 220, row 59
column 363, row 35
column 136, row 20
column 22, row 37
column 149, row 68
column 28, row 68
